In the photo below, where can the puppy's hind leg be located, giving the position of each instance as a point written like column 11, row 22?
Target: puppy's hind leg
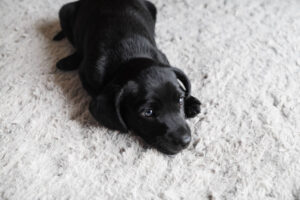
column 69, row 63
column 151, row 7
column 67, row 16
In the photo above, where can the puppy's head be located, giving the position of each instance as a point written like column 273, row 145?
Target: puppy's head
column 151, row 104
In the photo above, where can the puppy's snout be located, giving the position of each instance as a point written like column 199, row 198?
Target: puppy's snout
column 185, row 140
column 181, row 137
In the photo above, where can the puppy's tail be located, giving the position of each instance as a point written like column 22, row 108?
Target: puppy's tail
column 59, row 36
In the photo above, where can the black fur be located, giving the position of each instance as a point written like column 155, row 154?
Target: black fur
column 130, row 80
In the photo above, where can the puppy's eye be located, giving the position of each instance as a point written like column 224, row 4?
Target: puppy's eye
column 181, row 100
column 148, row 113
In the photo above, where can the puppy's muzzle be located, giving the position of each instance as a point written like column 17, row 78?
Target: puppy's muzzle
column 174, row 141
column 180, row 138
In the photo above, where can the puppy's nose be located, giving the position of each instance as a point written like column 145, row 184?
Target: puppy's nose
column 182, row 137
column 185, row 140
column 182, row 140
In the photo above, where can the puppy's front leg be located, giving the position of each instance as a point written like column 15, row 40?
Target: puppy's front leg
column 191, row 107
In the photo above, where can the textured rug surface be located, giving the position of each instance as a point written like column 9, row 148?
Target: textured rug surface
column 243, row 59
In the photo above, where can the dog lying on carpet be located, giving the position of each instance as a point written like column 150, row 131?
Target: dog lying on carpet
column 132, row 85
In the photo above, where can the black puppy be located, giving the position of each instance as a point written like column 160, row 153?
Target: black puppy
column 130, row 80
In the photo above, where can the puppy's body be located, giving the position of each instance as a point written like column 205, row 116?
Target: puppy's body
column 121, row 67
column 107, row 33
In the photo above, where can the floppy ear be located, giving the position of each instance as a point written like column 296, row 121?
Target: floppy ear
column 105, row 108
column 191, row 104
column 184, row 79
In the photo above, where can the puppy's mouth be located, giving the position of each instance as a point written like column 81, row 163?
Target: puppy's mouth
column 166, row 148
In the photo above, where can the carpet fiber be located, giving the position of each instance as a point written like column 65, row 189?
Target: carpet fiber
column 243, row 59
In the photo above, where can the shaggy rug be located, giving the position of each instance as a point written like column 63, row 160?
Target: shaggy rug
column 243, row 59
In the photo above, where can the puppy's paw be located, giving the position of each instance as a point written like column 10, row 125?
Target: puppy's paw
column 191, row 107
column 59, row 36
column 69, row 63
column 64, row 65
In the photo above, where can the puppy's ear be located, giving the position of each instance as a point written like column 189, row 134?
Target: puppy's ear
column 184, row 79
column 191, row 104
column 106, row 108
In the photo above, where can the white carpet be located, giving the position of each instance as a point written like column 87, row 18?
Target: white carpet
column 243, row 58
